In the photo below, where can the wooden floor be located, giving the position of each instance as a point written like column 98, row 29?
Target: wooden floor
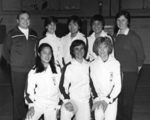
column 142, row 96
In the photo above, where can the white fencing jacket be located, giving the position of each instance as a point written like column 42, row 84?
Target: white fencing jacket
column 43, row 88
column 91, row 39
column 76, row 83
column 106, row 77
column 55, row 42
column 66, row 43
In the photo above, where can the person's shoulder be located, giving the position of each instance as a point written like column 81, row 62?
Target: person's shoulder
column 42, row 38
column 94, row 62
column 32, row 71
column 14, row 31
column 134, row 35
column 67, row 35
column 115, row 62
column 33, row 32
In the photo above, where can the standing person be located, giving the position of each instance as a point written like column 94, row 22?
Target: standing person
column 50, row 37
column 105, row 74
column 75, row 85
column 97, row 24
column 42, row 94
column 19, row 52
column 129, row 52
column 74, row 25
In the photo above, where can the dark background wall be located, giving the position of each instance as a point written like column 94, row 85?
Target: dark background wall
column 139, row 9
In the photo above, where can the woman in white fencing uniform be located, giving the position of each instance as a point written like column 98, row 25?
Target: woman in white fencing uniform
column 76, row 85
column 42, row 93
column 105, row 74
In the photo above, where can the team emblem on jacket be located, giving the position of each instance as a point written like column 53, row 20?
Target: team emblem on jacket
column 54, row 80
column 111, row 76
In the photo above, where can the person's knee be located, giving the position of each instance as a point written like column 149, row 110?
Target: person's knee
column 99, row 114
column 64, row 111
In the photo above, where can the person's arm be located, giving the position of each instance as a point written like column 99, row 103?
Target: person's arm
column 139, row 50
column 6, row 47
column 94, row 81
column 116, row 88
column 29, row 90
column 92, row 87
column 64, row 84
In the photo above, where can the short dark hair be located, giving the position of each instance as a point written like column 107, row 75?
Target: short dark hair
column 75, row 43
column 98, row 17
column 39, row 66
column 49, row 20
column 75, row 19
column 22, row 12
column 100, row 40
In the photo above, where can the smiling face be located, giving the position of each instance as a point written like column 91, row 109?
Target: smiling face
column 79, row 52
column 97, row 27
column 122, row 22
column 73, row 27
column 45, row 55
column 51, row 28
column 103, row 51
column 23, row 20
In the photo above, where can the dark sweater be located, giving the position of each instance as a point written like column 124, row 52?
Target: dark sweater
column 129, row 51
column 18, row 51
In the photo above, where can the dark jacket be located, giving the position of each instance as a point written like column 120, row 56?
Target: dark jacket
column 18, row 51
column 129, row 51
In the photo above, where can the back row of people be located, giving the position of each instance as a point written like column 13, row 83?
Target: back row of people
column 20, row 47
column 74, row 23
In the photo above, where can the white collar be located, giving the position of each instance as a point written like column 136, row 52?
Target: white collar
column 109, row 58
column 79, row 34
column 125, row 33
column 49, row 34
column 103, row 34
column 23, row 30
column 74, row 61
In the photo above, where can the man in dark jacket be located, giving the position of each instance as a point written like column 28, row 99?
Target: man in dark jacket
column 19, row 51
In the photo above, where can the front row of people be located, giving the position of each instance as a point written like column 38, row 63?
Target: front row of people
column 78, row 81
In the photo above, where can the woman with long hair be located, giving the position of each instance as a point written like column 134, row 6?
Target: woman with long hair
column 42, row 93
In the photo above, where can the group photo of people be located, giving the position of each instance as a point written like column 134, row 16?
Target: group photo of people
column 76, row 76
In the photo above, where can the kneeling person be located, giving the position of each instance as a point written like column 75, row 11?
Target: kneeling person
column 75, row 85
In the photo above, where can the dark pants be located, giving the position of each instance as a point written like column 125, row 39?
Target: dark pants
column 18, row 85
column 126, row 97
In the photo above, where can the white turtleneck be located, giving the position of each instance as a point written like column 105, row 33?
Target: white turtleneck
column 24, row 31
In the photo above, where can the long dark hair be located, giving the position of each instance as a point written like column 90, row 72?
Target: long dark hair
column 39, row 65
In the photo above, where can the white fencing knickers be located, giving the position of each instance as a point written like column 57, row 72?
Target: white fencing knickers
column 82, row 111
column 48, row 112
column 110, row 113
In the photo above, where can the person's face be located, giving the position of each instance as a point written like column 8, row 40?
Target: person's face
column 45, row 55
column 24, row 20
column 97, row 26
column 103, row 50
column 73, row 27
column 122, row 22
column 51, row 28
column 79, row 52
